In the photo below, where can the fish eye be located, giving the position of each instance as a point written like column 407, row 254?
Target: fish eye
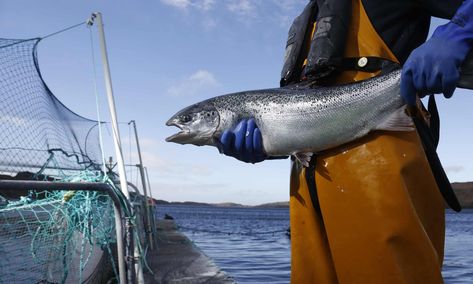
column 186, row 118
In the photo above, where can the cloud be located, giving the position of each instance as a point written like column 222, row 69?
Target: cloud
column 242, row 7
column 181, row 4
column 279, row 12
column 290, row 5
column 206, row 4
column 287, row 10
column 454, row 169
column 203, row 5
column 196, row 83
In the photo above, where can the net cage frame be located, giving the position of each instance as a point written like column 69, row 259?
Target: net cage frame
column 119, row 201
column 54, row 142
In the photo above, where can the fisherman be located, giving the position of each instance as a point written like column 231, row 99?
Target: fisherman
column 369, row 211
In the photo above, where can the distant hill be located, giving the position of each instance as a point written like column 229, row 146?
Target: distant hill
column 464, row 192
column 281, row 204
column 164, row 202
column 226, row 204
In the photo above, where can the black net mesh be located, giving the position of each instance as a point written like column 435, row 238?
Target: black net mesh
column 49, row 236
column 37, row 132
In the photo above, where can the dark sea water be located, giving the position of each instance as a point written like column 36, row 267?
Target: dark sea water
column 250, row 244
column 458, row 262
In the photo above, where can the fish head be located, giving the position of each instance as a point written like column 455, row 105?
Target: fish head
column 198, row 124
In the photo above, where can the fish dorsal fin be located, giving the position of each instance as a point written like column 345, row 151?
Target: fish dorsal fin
column 397, row 121
column 304, row 158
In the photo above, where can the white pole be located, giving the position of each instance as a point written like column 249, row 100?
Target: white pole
column 116, row 138
column 120, row 251
column 145, row 191
column 111, row 105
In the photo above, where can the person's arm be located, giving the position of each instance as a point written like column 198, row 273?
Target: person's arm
column 433, row 67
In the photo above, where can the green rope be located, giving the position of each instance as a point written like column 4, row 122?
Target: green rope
column 55, row 223
column 63, row 232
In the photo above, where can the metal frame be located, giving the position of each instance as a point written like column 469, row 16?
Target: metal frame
column 127, row 254
column 149, row 232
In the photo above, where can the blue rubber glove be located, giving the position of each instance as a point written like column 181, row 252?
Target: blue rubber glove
column 244, row 142
column 432, row 68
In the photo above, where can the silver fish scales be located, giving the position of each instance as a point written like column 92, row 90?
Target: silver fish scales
column 299, row 120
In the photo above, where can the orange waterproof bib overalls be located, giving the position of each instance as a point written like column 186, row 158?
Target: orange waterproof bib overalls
column 381, row 217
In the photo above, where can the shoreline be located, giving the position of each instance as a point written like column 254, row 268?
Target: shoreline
column 463, row 191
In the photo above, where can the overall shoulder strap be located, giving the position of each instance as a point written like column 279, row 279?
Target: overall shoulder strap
column 297, row 41
column 330, row 37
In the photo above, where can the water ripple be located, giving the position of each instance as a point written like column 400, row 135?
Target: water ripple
column 238, row 241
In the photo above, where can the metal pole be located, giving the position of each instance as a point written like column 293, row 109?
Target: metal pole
column 145, row 191
column 111, row 105
column 149, row 185
column 153, row 215
column 118, row 223
column 116, row 132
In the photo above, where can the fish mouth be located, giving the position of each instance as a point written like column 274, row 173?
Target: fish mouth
column 182, row 133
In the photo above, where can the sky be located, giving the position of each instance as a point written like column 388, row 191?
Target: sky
column 167, row 54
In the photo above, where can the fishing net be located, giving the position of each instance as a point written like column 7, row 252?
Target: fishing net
column 34, row 124
column 57, row 236
column 50, row 236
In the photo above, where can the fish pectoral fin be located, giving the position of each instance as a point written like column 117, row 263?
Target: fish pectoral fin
column 304, row 158
column 397, row 121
